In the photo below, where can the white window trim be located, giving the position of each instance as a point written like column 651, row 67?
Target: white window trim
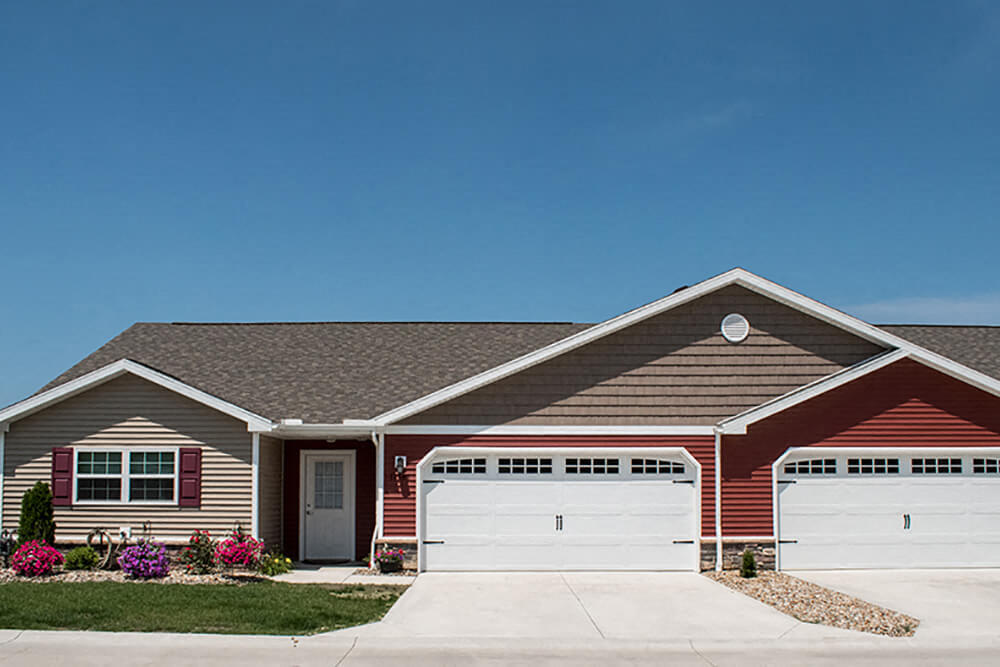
column 125, row 476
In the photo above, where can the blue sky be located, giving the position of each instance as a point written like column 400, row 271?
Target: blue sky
column 192, row 161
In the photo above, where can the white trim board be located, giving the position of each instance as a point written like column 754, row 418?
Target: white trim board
column 737, row 276
column 118, row 368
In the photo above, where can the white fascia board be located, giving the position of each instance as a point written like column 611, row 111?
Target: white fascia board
column 118, row 368
column 450, row 429
column 736, row 276
column 737, row 425
column 306, row 431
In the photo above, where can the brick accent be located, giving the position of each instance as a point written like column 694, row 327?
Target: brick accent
column 732, row 554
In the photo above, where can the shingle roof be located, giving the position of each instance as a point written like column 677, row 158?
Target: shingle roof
column 977, row 347
column 322, row 372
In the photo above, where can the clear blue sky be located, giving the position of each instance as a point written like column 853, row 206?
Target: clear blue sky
column 485, row 160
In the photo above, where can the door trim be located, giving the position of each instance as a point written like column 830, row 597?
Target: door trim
column 304, row 456
column 682, row 452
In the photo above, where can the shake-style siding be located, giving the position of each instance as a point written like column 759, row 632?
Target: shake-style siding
column 126, row 412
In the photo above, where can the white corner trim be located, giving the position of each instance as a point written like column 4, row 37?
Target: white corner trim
column 718, row 500
column 736, row 276
column 2, row 460
column 738, row 423
column 115, row 369
column 255, row 487
column 446, row 429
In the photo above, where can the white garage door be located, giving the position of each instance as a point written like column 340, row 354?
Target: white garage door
column 595, row 510
column 874, row 510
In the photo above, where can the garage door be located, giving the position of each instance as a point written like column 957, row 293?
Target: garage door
column 545, row 510
column 873, row 510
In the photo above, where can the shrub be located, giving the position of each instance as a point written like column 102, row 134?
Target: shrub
column 81, row 558
column 748, row 570
column 37, row 522
column 274, row 563
column 35, row 559
column 146, row 560
column 239, row 550
column 198, row 557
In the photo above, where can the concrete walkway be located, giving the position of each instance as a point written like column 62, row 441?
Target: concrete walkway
column 306, row 573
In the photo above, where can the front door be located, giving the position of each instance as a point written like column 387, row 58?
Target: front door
column 328, row 505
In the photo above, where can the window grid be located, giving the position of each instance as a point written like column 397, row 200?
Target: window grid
column 590, row 466
column 942, row 466
column 812, row 467
column 460, row 467
column 872, row 466
column 102, row 476
column 524, row 466
column 656, row 467
column 986, row 466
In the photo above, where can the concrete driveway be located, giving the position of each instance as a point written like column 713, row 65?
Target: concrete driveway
column 648, row 606
column 951, row 604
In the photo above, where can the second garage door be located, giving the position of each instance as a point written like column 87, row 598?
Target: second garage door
column 549, row 510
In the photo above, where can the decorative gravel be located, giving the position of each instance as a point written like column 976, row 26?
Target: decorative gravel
column 378, row 573
column 810, row 603
column 79, row 576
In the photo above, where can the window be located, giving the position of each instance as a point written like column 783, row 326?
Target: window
column 592, row 466
column 936, row 466
column 524, row 466
column 812, row 467
column 460, row 467
column 656, row 467
column 986, row 466
column 142, row 476
column 872, row 466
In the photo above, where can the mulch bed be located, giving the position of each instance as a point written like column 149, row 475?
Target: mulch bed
column 79, row 576
column 811, row 603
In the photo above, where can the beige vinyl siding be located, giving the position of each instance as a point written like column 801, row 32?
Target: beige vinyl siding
column 270, row 492
column 674, row 368
column 129, row 411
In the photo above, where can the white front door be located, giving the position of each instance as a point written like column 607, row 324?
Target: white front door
column 897, row 510
column 597, row 510
column 328, row 505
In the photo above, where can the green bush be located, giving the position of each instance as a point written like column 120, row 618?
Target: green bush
column 81, row 558
column 748, row 570
column 37, row 521
column 274, row 563
column 198, row 557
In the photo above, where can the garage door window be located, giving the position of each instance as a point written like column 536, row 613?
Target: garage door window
column 986, row 466
column 936, row 466
column 656, row 467
column 872, row 466
column 524, row 466
column 460, row 467
column 591, row 466
column 812, row 467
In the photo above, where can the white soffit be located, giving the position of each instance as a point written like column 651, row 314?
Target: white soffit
column 737, row 276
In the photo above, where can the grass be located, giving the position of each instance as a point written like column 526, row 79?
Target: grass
column 269, row 608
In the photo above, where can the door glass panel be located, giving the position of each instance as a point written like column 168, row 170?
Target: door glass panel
column 328, row 489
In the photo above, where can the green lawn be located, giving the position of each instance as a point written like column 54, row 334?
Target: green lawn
column 269, row 608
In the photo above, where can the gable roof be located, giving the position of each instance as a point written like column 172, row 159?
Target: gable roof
column 320, row 372
column 977, row 347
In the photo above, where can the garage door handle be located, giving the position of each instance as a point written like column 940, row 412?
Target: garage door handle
column 788, row 541
column 906, row 522
column 683, row 481
column 786, row 481
column 683, row 541
column 433, row 481
column 433, row 541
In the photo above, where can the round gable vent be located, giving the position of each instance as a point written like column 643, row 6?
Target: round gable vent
column 735, row 328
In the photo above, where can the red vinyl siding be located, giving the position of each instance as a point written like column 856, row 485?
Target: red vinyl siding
column 903, row 405
column 364, row 489
column 400, row 498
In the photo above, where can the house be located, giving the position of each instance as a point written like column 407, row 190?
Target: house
column 732, row 414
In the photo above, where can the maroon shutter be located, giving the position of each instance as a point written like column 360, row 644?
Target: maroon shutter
column 190, row 477
column 62, row 476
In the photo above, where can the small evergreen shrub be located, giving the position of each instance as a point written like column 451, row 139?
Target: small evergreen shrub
column 239, row 550
column 81, row 558
column 35, row 559
column 198, row 557
column 748, row 569
column 146, row 560
column 274, row 563
column 37, row 521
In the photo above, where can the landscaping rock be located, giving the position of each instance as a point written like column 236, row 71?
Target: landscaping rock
column 79, row 576
column 810, row 603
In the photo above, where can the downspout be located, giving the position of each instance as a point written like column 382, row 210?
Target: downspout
column 718, row 499
column 3, row 432
column 378, row 439
column 255, row 489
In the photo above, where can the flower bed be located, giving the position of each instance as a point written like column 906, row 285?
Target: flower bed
column 8, row 575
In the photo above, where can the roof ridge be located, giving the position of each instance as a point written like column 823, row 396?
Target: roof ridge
column 213, row 324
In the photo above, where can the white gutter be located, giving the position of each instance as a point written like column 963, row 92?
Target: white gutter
column 718, row 500
column 378, row 439
column 255, row 489
column 310, row 431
